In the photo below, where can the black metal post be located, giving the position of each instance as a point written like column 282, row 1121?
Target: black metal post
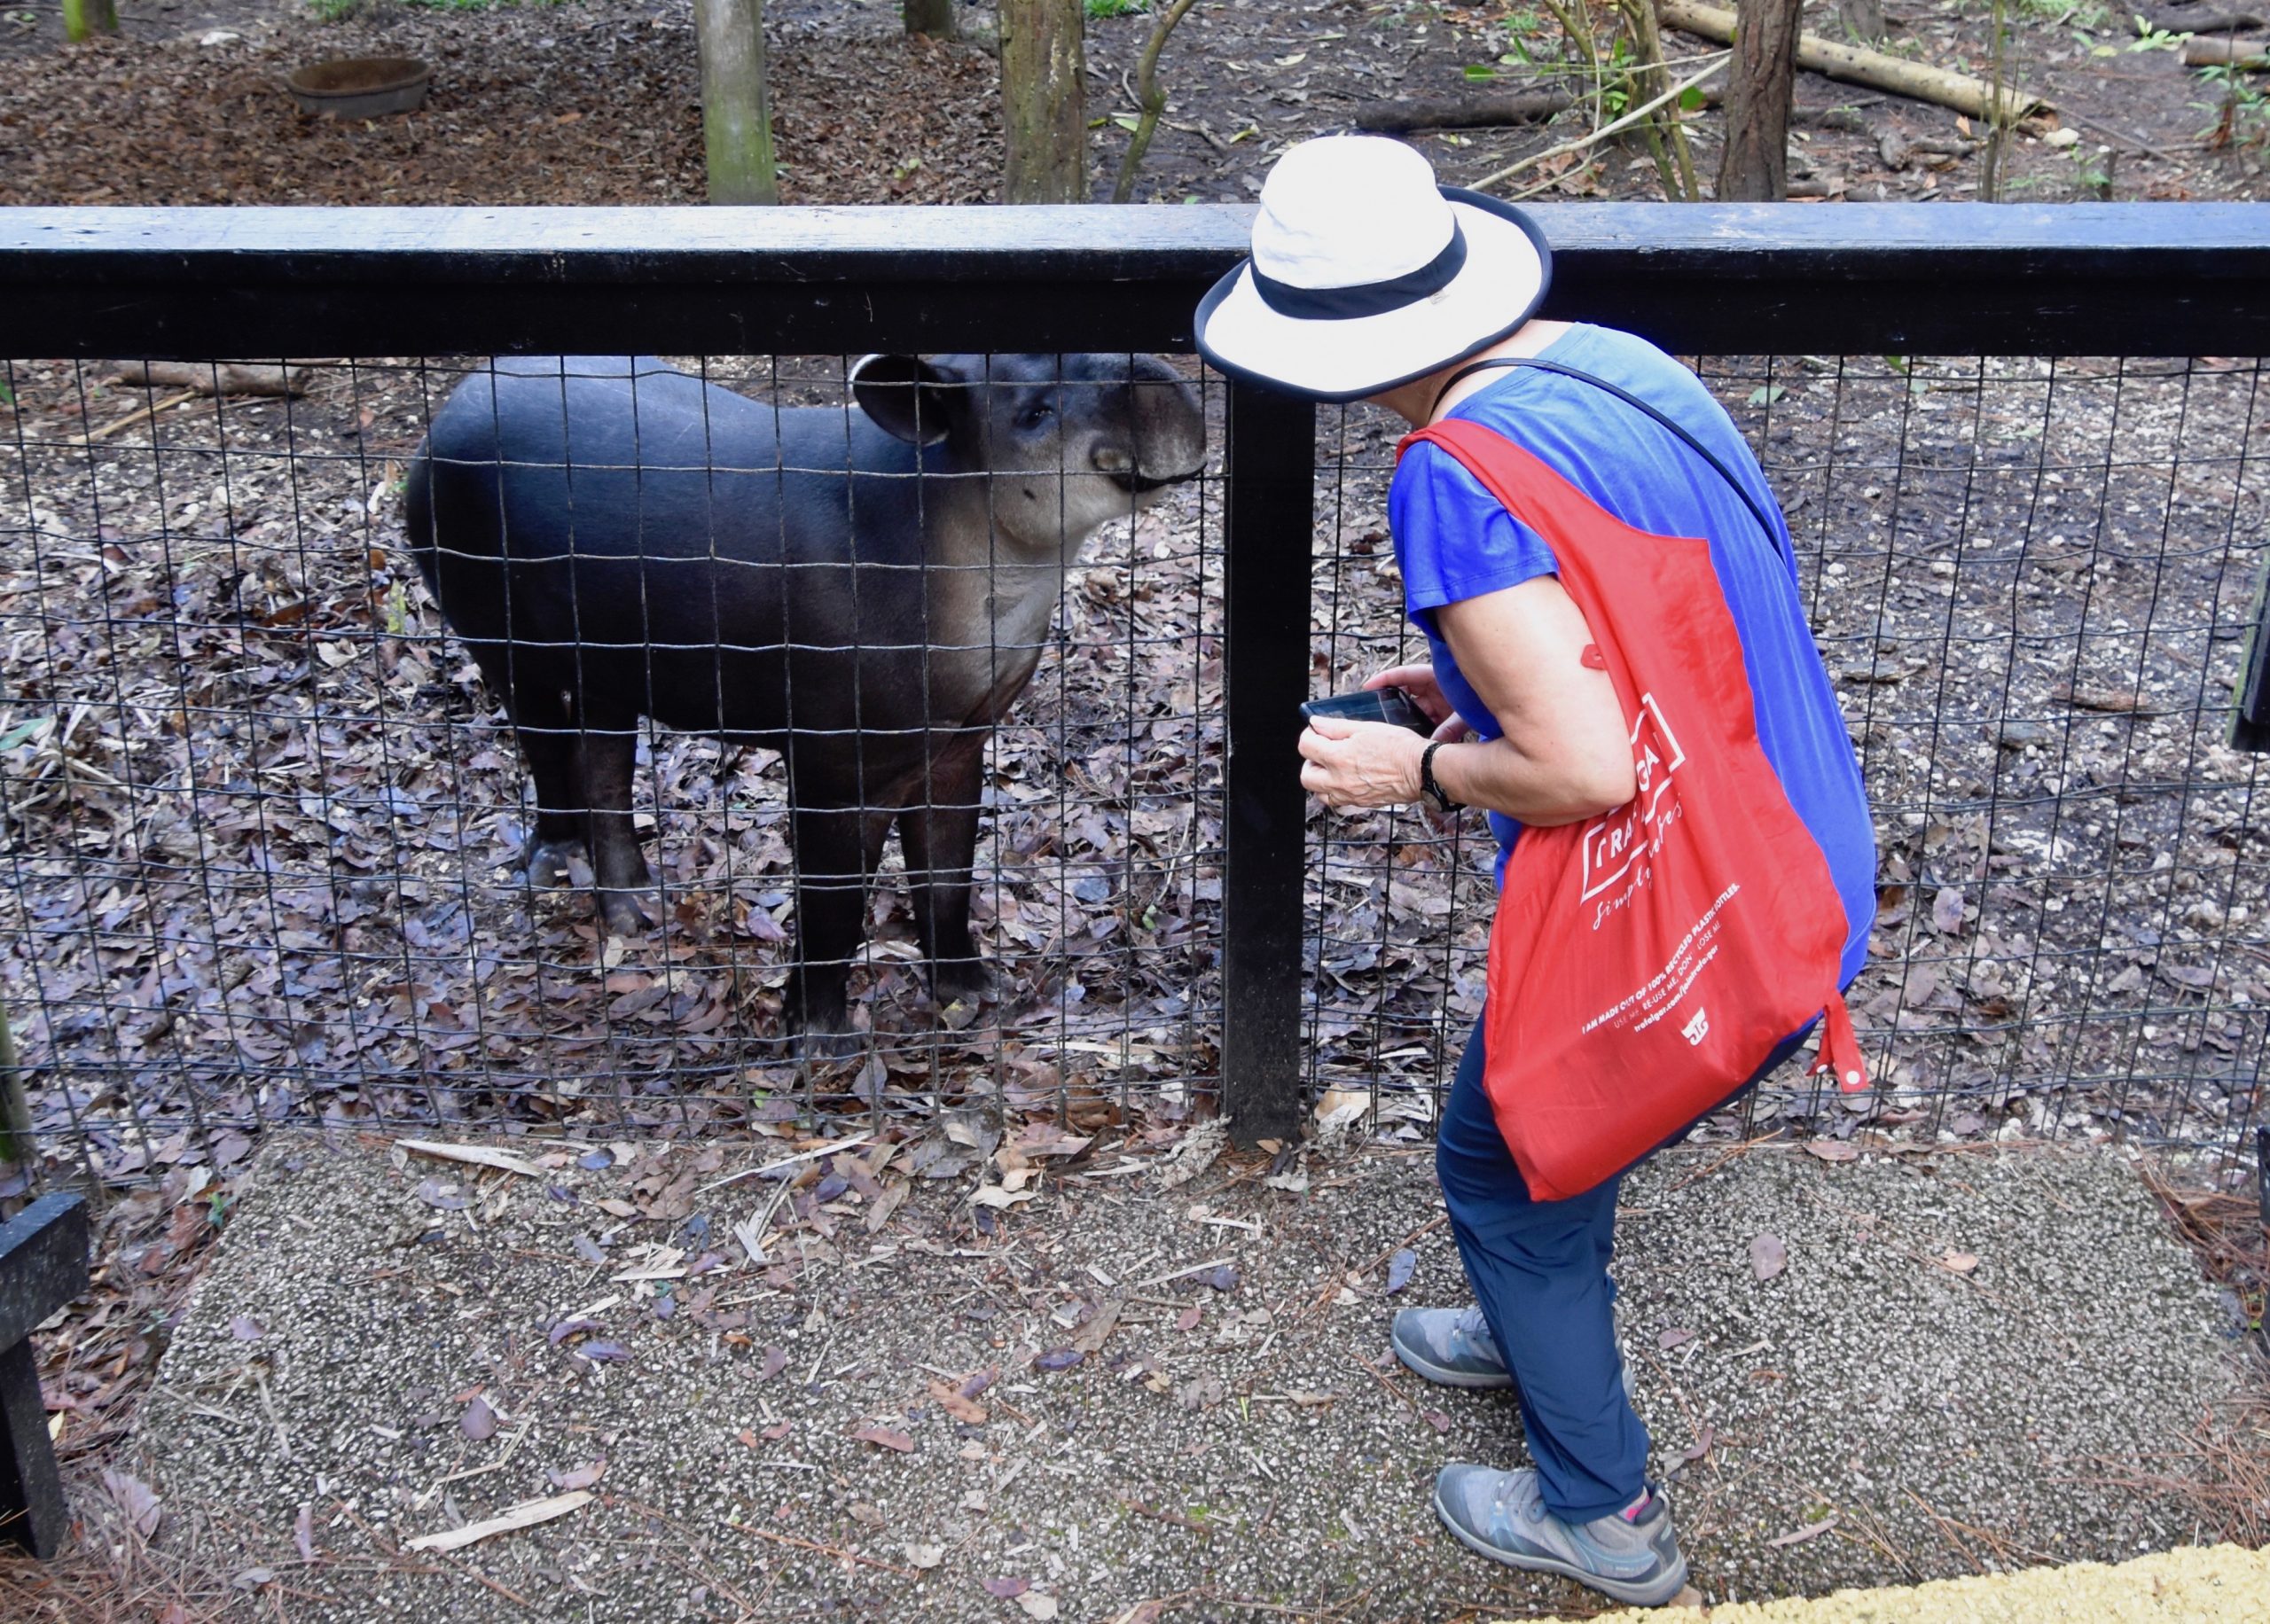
column 43, row 1266
column 1270, row 521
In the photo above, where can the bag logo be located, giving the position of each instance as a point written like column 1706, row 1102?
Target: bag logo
column 1614, row 843
column 1697, row 1028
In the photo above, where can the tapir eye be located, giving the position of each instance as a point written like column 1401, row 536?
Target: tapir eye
column 1036, row 414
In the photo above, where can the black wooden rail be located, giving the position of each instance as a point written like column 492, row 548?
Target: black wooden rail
column 43, row 1266
column 2145, row 279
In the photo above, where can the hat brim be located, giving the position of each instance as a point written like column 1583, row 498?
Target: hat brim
column 1508, row 267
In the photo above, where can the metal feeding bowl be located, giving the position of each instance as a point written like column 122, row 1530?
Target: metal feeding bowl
column 360, row 87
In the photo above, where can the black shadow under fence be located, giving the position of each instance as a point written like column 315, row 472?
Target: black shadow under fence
column 264, row 812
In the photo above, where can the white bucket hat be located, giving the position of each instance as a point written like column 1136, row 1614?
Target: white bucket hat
column 1366, row 274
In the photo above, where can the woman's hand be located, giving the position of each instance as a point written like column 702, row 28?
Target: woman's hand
column 1361, row 763
column 1418, row 682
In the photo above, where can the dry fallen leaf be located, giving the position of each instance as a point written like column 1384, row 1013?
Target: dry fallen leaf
column 1038, row 1606
column 925, row 1556
column 478, row 1422
column 1768, row 1257
column 1798, row 1536
column 581, row 1477
column 1946, row 910
column 1958, row 1262
column 1831, row 1149
column 141, row 1508
column 961, row 1409
column 882, row 1437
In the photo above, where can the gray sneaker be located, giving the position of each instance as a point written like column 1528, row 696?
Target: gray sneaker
column 1453, row 1348
column 1631, row 1556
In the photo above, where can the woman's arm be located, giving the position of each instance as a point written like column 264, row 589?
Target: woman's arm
column 1564, row 754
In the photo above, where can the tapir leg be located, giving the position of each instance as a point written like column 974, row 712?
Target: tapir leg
column 607, row 755
column 938, row 831
column 837, row 850
column 548, row 742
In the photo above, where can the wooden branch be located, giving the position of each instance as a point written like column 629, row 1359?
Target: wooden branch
column 1153, row 97
column 223, row 378
column 2197, row 19
column 1717, row 63
column 526, row 1515
column 1464, row 112
column 2251, row 56
column 1855, row 64
column 141, row 414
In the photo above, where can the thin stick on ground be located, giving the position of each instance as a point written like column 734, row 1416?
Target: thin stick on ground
column 1718, row 64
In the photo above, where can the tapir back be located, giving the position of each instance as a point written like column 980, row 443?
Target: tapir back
column 654, row 544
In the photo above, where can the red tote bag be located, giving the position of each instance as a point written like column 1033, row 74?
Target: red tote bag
column 1643, row 964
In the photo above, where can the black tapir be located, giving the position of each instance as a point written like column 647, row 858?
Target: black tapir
column 865, row 589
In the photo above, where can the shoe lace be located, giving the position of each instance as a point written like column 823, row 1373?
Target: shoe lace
column 1474, row 1326
column 1521, row 1497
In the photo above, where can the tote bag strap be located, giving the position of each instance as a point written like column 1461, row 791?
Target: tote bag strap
column 1772, row 536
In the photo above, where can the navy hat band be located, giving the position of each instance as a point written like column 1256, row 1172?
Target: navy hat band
column 1340, row 304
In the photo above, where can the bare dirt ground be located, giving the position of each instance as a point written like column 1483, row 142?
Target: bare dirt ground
column 594, row 101
column 1128, row 1400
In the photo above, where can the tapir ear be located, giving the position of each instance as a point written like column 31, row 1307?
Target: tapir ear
column 906, row 397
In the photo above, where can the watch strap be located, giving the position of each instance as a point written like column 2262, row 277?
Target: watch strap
column 1427, row 785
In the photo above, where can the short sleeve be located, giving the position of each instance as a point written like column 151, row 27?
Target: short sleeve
column 1453, row 539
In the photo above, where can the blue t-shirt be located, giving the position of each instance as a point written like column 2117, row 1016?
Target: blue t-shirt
column 1454, row 541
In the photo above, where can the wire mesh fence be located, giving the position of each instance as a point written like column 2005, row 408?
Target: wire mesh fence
column 266, row 811
column 2033, row 581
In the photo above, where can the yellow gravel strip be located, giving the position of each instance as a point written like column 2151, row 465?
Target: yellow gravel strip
column 2220, row 1584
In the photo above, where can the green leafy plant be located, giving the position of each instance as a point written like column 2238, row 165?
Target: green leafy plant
column 2242, row 114
column 1115, row 8
column 2148, row 38
column 334, row 10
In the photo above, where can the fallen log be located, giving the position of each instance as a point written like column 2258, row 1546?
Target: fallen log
column 1463, row 112
column 2251, row 56
column 2197, row 19
column 210, row 378
column 1856, row 64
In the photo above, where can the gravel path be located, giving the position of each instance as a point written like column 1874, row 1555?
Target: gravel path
column 1958, row 1356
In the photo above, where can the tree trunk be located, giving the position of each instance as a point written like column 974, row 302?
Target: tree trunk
column 1044, row 100
column 736, row 115
column 1755, row 168
column 935, row 17
column 81, row 17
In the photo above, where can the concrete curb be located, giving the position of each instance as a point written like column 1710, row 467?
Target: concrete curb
column 2220, row 1584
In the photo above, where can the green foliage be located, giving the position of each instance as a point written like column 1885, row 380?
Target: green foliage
column 1766, row 395
column 7, row 395
column 1115, row 8
column 2148, row 38
column 334, row 10
column 2241, row 111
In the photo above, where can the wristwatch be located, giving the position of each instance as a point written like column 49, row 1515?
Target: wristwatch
column 1434, row 792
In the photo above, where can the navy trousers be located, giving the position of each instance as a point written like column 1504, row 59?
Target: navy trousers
column 1540, row 1271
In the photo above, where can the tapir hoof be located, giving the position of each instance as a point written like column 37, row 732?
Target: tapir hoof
column 821, row 1048
column 550, row 864
column 961, row 980
column 623, row 912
